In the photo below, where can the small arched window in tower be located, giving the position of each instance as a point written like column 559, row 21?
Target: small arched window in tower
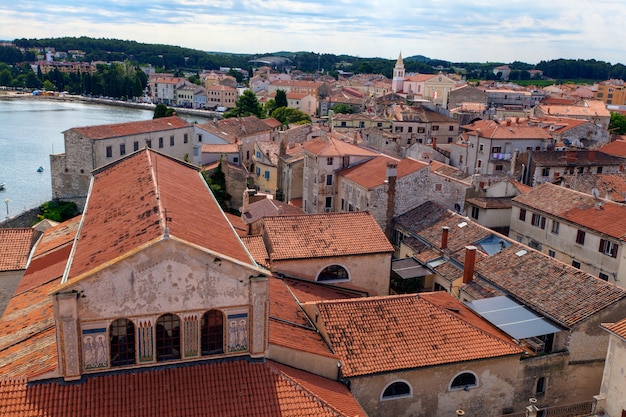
column 168, row 337
column 212, row 333
column 122, row 342
column 464, row 380
column 333, row 273
column 397, row 389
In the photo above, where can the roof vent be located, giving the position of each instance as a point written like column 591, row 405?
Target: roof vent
column 462, row 225
column 521, row 252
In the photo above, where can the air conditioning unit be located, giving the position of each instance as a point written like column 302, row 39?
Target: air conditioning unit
column 328, row 209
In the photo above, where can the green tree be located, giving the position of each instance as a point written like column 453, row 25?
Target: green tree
column 281, row 98
column 48, row 86
column 5, row 77
column 57, row 210
column 342, row 108
column 217, row 183
column 288, row 116
column 269, row 106
column 247, row 105
column 617, row 124
column 161, row 110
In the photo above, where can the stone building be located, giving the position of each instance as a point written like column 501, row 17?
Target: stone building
column 88, row 148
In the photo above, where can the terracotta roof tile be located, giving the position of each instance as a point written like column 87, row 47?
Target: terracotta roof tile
column 256, row 247
column 332, row 147
column 576, row 207
column 268, row 207
column 238, row 224
column 559, row 291
column 59, row 235
column 381, row 334
column 15, row 246
column 616, row 148
column 322, row 235
column 235, row 128
column 139, row 197
column 234, row 388
column 609, row 186
column 373, row 173
column 493, row 129
column 289, row 325
column 618, row 328
column 132, row 128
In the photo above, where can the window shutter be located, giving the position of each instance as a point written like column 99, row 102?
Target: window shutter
column 543, row 222
column 532, row 221
column 614, row 251
column 602, row 245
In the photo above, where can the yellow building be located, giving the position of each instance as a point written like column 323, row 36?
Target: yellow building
column 611, row 92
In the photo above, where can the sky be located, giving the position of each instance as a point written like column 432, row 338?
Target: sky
column 453, row 30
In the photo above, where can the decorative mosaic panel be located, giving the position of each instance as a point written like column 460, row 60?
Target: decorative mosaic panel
column 145, row 334
column 238, row 332
column 95, row 348
column 190, row 335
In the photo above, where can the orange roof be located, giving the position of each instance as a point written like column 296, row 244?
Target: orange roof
column 322, row 235
column 220, row 148
column 15, row 245
column 289, row 325
column 615, row 148
column 578, row 208
column 237, row 223
column 27, row 328
column 233, row 388
column 619, row 328
column 335, row 147
column 256, row 247
column 131, row 128
column 144, row 198
column 381, row 334
column 493, row 129
column 373, row 173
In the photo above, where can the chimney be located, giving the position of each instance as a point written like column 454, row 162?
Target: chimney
column 434, row 142
column 444, row 237
column 468, row 267
column 392, row 169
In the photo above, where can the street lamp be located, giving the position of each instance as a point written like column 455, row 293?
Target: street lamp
column 6, row 201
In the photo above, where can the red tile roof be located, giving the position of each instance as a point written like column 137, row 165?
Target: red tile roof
column 561, row 292
column 256, row 247
column 619, row 328
column 616, row 148
column 334, row 147
column 381, row 334
column 216, row 389
column 268, row 207
column 289, row 325
column 131, row 128
column 494, row 129
column 15, row 245
column 322, row 235
column 141, row 199
column 373, row 173
column 608, row 218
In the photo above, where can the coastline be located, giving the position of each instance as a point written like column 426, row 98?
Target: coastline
column 17, row 95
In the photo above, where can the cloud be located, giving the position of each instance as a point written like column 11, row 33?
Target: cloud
column 454, row 30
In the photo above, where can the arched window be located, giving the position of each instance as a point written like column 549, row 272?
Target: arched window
column 168, row 337
column 332, row 273
column 541, row 386
column 464, row 380
column 397, row 389
column 122, row 342
column 212, row 332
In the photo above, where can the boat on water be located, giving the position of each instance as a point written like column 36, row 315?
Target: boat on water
column 40, row 169
column 2, row 184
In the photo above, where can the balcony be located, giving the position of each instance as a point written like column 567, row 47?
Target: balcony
column 500, row 156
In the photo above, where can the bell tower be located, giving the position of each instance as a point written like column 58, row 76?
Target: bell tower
column 398, row 75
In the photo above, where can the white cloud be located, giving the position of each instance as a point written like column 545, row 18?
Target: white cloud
column 454, row 30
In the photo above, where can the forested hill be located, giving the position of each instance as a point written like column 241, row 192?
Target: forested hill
column 172, row 58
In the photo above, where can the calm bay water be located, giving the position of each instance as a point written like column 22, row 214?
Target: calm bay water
column 31, row 130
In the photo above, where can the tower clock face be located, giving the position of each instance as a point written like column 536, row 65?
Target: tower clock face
column 439, row 78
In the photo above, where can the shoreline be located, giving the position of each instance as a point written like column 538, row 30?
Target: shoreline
column 13, row 95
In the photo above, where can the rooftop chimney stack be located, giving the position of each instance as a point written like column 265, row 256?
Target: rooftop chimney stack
column 444, row 237
column 468, row 266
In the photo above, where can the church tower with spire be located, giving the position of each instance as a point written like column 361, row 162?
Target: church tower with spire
column 398, row 75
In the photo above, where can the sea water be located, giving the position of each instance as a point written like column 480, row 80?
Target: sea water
column 30, row 131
